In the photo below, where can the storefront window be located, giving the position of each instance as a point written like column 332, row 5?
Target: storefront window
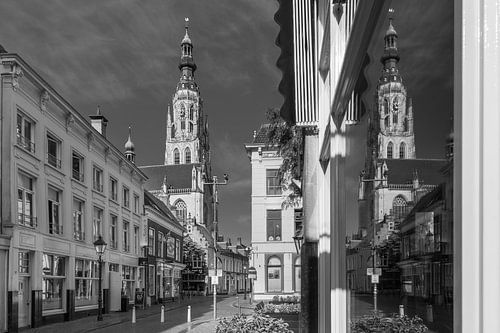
column 54, row 275
column 128, row 281
column 86, row 282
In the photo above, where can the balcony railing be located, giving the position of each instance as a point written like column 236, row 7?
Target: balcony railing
column 54, row 161
column 26, row 220
column 78, row 175
column 26, row 143
column 79, row 235
column 55, row 228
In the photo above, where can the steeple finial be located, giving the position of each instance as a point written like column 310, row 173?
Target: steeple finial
column 129, row 146
column 98, row 110
column 186, row 19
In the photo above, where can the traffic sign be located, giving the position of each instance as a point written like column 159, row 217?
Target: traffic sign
column 375, row 278
column 252, row 273
column 215, row 280
column 211, row 272
column 219, row 272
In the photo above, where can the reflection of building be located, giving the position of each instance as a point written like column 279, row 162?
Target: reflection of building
column 164, row 251
column 63, row 185
column 394, row 180
column 179, row 183
column 427, row 246
column 274, row 255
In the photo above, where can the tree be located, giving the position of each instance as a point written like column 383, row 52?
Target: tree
column 288, row 140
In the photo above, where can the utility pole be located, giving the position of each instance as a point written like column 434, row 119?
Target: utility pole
column 214, row 184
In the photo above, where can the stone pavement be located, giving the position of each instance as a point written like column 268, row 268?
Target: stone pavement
column 89, row 324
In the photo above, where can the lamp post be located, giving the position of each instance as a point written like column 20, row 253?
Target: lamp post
column 100, row 247
column 245, row 277
column 215, row 183
column 361, row 196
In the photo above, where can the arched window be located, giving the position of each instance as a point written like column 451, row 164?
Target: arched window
column 191, row 126
column 399, row 207
column 187, row 155
column 389, row 150
column 385, row 108
column 274, row 274
column 296, row 274
column 402, row 150
column 395, row 118
column 180, row 210
column 405, row 125
column 191, row 113
column 177, row 157
column 386, row 122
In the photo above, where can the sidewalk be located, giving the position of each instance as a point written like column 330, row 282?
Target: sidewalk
column 89, row 324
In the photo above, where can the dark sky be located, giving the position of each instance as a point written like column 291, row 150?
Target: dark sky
column 123, row 55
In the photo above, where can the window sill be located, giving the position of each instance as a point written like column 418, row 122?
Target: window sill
column 53, row 312
column 28, row 152
column 56, row 169
column 79, row 182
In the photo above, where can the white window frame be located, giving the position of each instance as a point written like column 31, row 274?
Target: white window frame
column 27, row 143
column 97, row 179
column 54, row 211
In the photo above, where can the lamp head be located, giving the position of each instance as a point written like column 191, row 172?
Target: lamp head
column 100, row 246
column 226, row 177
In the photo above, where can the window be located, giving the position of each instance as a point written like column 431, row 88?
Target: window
column 86, row 282
column 170, row 247
column 126, row 197
column 25, row 133
column 187, row 154
column 77, row 167
column 389, row 150
column 136, row 239
column 128, row 281
column 273, row 184
column 395, row 118
column 151, row 241
column 402, row 150
column 405, row 125
column 97, row 224
column 177, row 157
column 400, row 207
column 191, row 112
column 113, row 243
column 161, row 245
column 177, row 250
column 180, row 210
column 25, row 201
column 78, row 226
column 53, row 276
column 23, row 262
column 126, row 239
column 53, row 151
column 296, row 274
column 136, row 204
column 55, row 225
column 274, row 225
column 274, row 274
column 114, row 267
column 97, row 179
column 113, row 189
column 298, row 218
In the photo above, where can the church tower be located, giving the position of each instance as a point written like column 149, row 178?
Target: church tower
column 393, row 119
column 187, row 127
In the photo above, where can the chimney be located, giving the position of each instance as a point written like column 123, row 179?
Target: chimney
column 99, row 122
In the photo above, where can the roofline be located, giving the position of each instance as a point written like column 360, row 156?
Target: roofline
column 166, row 165
column 61, row 100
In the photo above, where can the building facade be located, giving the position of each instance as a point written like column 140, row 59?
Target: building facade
column 273, row 254
column 63, row 185
column 233, row 261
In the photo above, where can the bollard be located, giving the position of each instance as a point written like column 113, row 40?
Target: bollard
column 189, row 314
column 162, row 317
column 133, row 314
column 430, row 315
column 239, row 306
column 401, row 310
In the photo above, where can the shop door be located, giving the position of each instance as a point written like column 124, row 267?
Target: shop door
column 24, row 301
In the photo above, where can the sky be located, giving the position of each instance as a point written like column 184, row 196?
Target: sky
column 123, row 56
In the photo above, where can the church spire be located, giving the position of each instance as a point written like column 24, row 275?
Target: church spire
column 187, row 65
column 390, row 58
column 130, row 147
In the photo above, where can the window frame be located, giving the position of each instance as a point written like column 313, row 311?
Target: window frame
column 22, row 141
column 113, row 189
column 27, row 220
column 277, row 223
column 51, row 159
column 78, row 219
column 97, row 179
column 55, row 208
column 77, row 174
column 273, row 183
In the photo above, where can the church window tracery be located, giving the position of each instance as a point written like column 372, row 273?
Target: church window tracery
column 177, row 157
column 399, row 207
column 389, row 149
column 386, row 122
column 395, row 118
column 180, row 210
column 402, row 150
column 187, row 155
column 386, row 106
column 405, row 125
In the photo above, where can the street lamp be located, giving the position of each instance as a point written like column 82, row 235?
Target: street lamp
column 100, row 247
column 361, row 196
column 245, row 275
column 215, row 183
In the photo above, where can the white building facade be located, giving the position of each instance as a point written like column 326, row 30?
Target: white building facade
column 63, row 185
column 273, row 255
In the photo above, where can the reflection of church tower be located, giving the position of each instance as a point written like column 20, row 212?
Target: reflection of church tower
column 187, row 132
column 394, row 120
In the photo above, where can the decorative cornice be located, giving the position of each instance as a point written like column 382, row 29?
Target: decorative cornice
column 16, row 73
column 44, row 99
